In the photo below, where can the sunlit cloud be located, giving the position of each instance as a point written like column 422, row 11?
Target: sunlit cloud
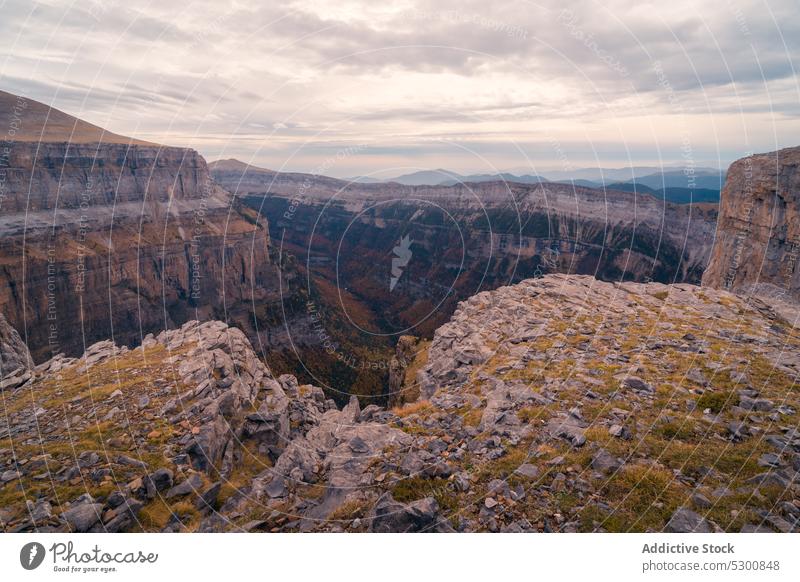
column 466, row 85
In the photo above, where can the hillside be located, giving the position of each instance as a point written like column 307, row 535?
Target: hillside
column 36, row 122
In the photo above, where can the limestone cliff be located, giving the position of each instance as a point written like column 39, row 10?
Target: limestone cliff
column 103, row 236
column 758, row 234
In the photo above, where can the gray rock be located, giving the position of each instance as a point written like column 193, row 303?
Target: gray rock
column 358, row 446
column 390, row 516
column 687, row 521
column 461, row 482
column 696, row 376
column 619, row 431
column 83, row 516
column 88, row 459
column 14, row 354
column 131, row 462
column 757, row 404
column 9, row 475
column 527, row 470
column 769, row 460
column 701, row 501
column 116, row 499
column 190, row 485
column 499, row 487
column 637, row 384
column 605, row 462
column 738, row 430
column 276, row 487
column 122, row 517
column 568, row 428
column 41, row 511
column 208, row 499
column 159, row 480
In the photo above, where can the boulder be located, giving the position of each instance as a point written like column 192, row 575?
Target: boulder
column 83, row 516
column 390, row 516
column 687, row 521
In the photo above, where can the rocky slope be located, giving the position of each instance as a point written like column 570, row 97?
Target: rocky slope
column 758, row 237
column 559, row 404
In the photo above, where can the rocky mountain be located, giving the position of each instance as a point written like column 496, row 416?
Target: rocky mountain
column 103, row 236
column 558, row 404
column 758, row 238
column 28, row 121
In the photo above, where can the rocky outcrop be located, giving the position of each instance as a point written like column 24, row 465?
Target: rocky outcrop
column 559, row 404
column 406, row 352
column 190, row 409
column 15, row 359
column 758, row 234
column 585, row 386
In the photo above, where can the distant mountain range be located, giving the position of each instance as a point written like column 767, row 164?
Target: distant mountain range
column 676, row 185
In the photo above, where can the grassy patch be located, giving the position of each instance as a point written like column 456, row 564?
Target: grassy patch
column 716, row 401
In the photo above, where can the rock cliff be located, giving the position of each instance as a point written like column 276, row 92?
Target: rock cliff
column 103, row 236
column 758, row 234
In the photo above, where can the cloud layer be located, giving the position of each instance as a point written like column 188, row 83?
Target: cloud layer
column 467, row 85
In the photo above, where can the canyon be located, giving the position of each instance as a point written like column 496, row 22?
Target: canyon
column 460, row 240
column 217, row 347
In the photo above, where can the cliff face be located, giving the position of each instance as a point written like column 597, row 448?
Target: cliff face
column 50, row 176
column 117, row 238
column 758, row 233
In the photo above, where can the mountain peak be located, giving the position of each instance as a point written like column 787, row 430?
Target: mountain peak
column 234, row 165
column 32, row 121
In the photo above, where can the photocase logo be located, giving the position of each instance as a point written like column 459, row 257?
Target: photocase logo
column 402, row 254
column 31, row 555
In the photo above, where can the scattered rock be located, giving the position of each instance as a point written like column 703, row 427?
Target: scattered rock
column 190, row 485
column 604, row 462
column 687, row 521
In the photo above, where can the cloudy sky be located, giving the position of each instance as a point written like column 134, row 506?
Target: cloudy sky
column 354, row 86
